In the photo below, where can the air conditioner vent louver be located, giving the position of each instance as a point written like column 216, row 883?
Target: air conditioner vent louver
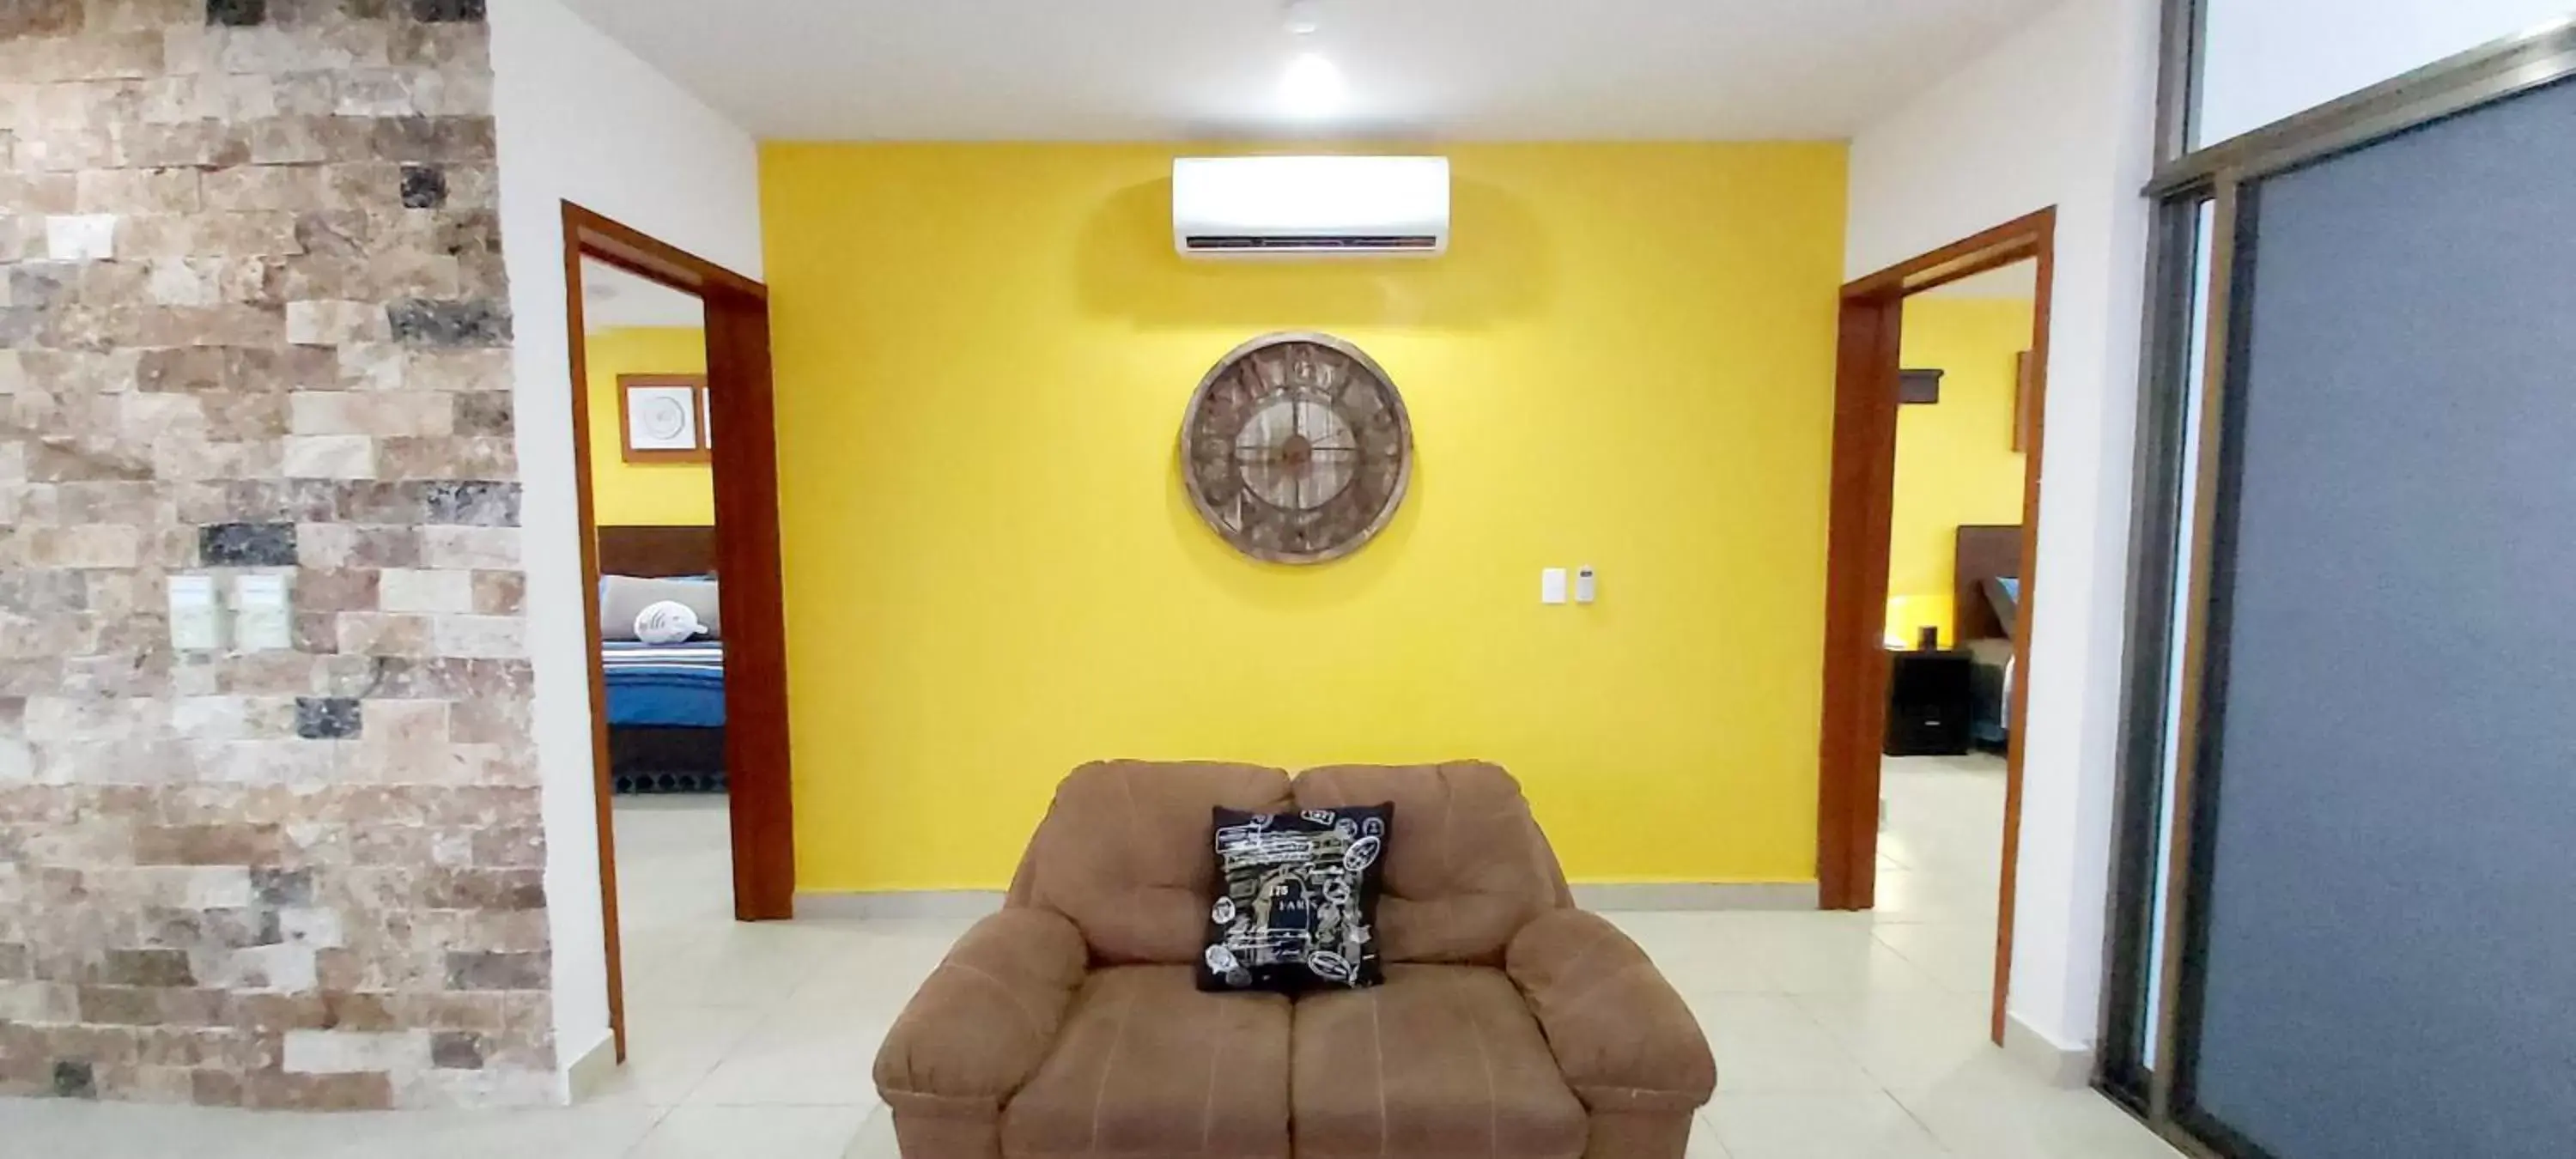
column 1422, row 241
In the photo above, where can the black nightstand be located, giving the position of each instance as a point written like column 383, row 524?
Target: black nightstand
column 1931, row 697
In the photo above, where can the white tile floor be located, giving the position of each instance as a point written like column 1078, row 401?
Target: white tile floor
column 1838, row 1036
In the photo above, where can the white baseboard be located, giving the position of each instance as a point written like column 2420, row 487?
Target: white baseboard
column 2063, row 1066
column 887, row 904
column 975, row 903
column 592, row 1069
column 1697, row 895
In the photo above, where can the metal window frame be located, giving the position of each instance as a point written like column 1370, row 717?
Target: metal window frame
column 2227, row 173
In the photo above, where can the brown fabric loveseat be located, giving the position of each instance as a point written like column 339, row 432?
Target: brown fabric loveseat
column 1511, row 1025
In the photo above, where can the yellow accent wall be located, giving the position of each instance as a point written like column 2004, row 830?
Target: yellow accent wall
column 1954, row 459
column 624, row 494
column 993, row 572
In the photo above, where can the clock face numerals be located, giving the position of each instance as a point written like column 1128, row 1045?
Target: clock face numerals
column 1296, row 448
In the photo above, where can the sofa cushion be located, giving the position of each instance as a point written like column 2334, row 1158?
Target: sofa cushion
column 1124, row 852
column 1440, row 1061
column 1147, row 1067
column 1470, row 868
column 1296, row 905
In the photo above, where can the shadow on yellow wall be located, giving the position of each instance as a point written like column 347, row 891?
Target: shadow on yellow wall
column 1504, row 277
column 983, row 353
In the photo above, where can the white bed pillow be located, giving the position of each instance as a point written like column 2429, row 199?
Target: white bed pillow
column 624, row 597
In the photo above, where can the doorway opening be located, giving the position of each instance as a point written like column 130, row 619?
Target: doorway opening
column 679, row 553
column 1929, row 594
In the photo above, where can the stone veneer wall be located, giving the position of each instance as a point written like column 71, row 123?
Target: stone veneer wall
column 253, row 319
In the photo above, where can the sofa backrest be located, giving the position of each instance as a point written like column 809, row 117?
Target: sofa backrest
column 1128, row 852
column 1466, row 865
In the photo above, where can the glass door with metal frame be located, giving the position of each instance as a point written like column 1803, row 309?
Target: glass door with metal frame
column 2347, row 767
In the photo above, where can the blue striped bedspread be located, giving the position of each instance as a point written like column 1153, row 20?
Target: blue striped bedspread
column 673, row 685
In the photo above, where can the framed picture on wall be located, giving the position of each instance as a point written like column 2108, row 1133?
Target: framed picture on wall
column 663, row 417
column 706, row 417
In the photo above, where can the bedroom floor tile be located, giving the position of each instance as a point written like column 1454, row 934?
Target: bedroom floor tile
column 1960, row 956
column 1933, row 895
column 1838, row 1036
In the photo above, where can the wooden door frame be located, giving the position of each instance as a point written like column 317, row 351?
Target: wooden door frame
column 1864, row 489
column 747, row 557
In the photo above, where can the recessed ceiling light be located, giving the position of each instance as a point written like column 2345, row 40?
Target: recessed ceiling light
column 1313, row 86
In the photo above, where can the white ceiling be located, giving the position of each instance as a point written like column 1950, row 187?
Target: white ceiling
column 611, row 298
column 1164, row 69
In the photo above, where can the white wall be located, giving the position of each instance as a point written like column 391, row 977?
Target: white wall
column 2063, row 115
column 2269, row 59
column 581, row 119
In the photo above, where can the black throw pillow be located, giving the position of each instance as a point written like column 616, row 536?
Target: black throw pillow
column 1296, row 905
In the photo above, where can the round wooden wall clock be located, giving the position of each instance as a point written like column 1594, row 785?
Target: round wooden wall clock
column 1296, row 448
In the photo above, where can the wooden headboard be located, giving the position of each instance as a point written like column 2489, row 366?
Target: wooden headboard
column 1984, row 553
column 657, row 551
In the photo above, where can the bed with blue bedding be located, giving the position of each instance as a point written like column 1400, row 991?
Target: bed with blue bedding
column 665, row 702
column 664, row 685
column 666, row 716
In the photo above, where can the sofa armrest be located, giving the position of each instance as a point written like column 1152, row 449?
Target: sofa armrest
column 985, row 1019
column 1623, row 1037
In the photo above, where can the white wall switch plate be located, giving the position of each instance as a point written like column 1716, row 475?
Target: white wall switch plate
column 263, row 617
column 1586, row 585
column 196, row 620
column 1551, row 586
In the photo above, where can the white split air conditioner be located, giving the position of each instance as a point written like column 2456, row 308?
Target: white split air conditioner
column 1234, row 207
